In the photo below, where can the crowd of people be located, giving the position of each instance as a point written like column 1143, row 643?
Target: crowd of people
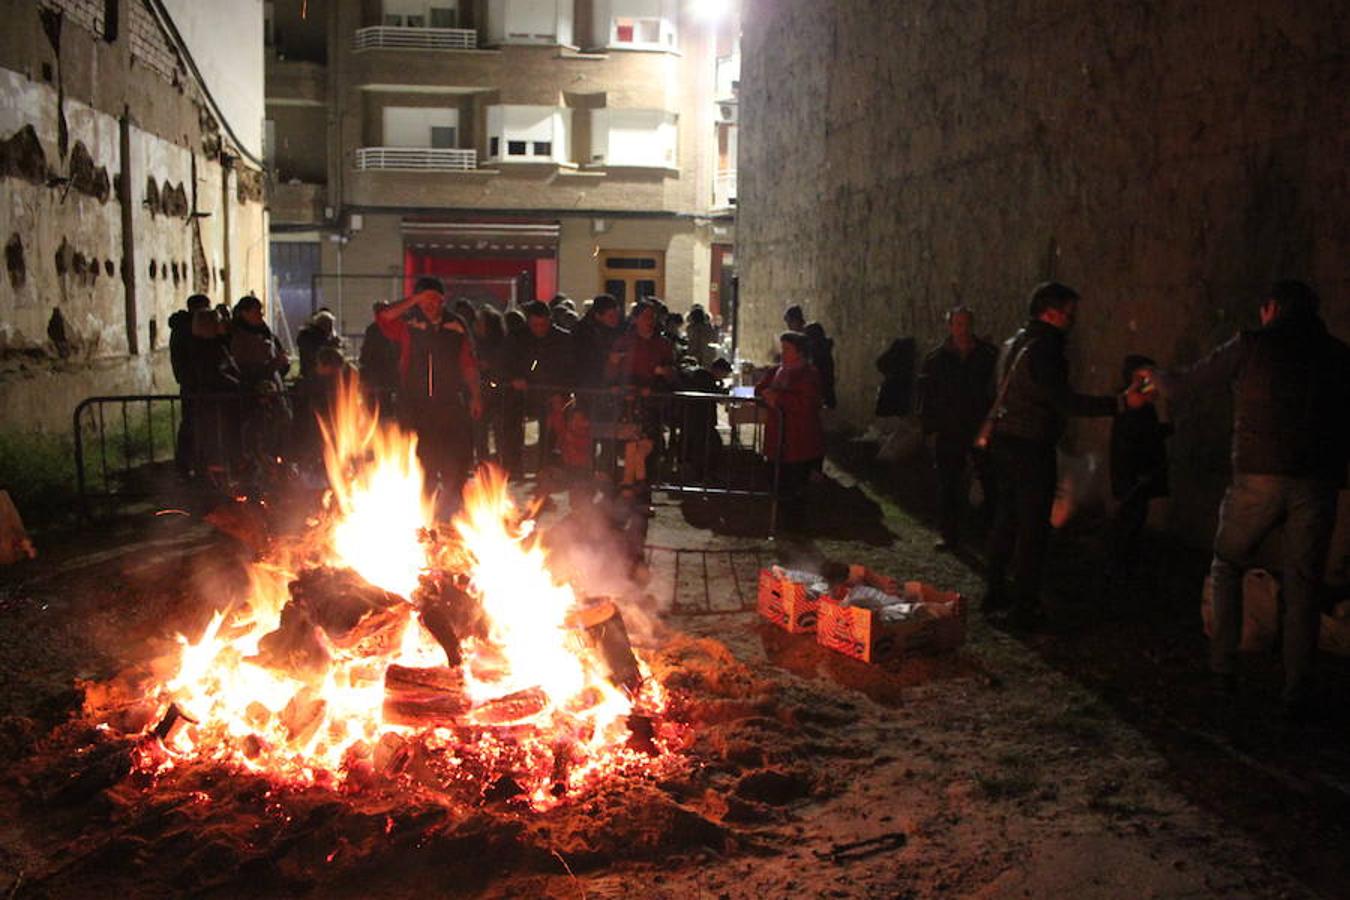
column 997, row 415
column 466, row 378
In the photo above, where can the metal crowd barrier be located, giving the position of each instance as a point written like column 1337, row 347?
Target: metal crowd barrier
column 700, row 444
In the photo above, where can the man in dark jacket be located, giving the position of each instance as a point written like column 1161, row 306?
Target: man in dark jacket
column 1290, row 382
column 1028, row 423
column 378, row 361
column 180, row 358
column 594, row 337
column 438, row 371
column 541, row 369
column 956, row 389
column 319, row 333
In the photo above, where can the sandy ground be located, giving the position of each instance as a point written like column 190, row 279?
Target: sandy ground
column 1084, row 763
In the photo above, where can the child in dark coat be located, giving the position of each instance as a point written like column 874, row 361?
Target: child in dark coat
column 1138, row 467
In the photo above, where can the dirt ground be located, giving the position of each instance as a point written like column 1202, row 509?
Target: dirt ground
column 1089, row 761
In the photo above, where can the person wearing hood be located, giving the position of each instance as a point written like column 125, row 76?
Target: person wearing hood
column 1290, row 383
column 439, row 390
column 180, row 358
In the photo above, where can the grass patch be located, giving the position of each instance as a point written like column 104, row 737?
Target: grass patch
column 39, row 471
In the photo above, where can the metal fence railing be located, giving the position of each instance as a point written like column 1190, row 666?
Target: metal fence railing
column 688, row 443
column 389, row 37
column 416, row 159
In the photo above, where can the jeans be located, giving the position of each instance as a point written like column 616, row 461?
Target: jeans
column 1254, row 506
column 1024, row 479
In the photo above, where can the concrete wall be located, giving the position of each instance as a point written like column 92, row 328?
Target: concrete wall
column 1168, row 159
column 69, row 325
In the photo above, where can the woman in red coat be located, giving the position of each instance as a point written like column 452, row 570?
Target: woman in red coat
column 794, row 388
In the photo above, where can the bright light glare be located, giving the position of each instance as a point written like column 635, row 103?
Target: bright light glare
column 708, row 10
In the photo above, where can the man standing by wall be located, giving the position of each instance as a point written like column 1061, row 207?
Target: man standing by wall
column 1034, row 405
column 1291, row 395
column 956, row 389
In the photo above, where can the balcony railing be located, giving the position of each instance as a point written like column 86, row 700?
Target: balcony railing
column 386, row 37
column 416, row 159
column 724, row 189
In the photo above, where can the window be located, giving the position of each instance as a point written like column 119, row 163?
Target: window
column 529, row 21
column 528, row 133
column 420, row 126
column 420, row 13
column 637, row 31
column 641, row 24
column 633, row 137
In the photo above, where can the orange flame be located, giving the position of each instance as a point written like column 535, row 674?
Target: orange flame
column 308, row 728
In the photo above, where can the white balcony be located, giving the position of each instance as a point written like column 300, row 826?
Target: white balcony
column 724, row 189
column 387, row 37
column 416, row 159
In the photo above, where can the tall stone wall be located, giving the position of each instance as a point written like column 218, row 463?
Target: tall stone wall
column 1167, row 159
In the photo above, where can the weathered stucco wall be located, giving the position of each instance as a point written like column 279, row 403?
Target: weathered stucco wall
column 1168, row 159
column 197, row 221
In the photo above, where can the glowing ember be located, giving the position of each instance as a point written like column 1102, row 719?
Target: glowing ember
column 322, row 677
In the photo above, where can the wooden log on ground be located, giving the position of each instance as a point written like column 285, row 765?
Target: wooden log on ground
column 605, row 633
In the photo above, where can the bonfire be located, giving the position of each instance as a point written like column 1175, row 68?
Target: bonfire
column 384, row 646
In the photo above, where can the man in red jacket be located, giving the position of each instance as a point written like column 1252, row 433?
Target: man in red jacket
column 794, row 389
column 437, row 371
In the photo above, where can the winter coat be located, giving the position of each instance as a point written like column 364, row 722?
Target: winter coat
column 378, row 360
column 437, row 359
column 548, row 360
column 308, row 342
column 641, row 358
column 702, row 339
column 180, row 348
column 592, row 340
column 261, row 359
column 1139, row 454
column 1039, row 400
column 820, row 353
column 955, row 393
column 896, row 366
column 799, row 397
column 1291, row 398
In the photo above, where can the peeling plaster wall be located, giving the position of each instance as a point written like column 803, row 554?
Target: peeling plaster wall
column 64, row 319
column 1167, row 159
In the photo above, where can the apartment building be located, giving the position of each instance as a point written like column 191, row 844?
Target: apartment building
column 516, row 148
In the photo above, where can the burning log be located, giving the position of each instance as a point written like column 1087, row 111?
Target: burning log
column 423, row 697
column 605, row 633
column 294, row 647
column 450, row 613
column 174, row 721
column 511, row 708
column 349, row 610
column 303, row 715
